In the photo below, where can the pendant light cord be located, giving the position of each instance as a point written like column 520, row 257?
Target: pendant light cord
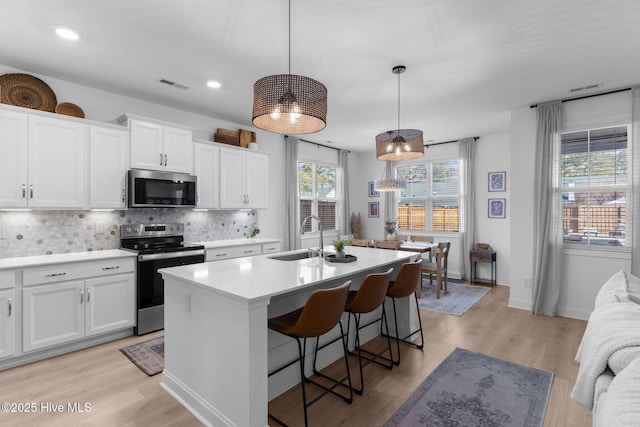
column 398, row 104
column 289, row 78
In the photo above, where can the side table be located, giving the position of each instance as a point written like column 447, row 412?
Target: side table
column 478, row 255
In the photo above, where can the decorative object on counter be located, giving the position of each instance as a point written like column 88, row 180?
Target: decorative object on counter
column 390, row 227
column 345, row 258
column 356, row 225
column 288, row 103
column 339, row 247
column 238, row 138
column 253, row 146
column 399, row 144
column 69, row 109
column 24, row 90
column 254, row 232
column 497, row 181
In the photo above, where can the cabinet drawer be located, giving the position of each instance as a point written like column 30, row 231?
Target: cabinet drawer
column 7, row 279
column 271, row 248
column 217, row 254
column 76, row 270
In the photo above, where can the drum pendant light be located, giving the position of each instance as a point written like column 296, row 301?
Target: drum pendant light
column 400, row 144
column 288, row 103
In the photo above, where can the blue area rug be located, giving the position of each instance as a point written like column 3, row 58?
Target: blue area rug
column 472, row 389
column 460, row 298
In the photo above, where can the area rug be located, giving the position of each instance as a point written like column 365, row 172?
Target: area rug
column 148, row 355
column 472, row 389
column 460, row 298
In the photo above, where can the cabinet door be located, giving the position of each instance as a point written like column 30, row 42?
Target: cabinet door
column 110, row 303
column 178, row 150
column 13, row 160
column 107, row 168
column 207, row 169
column 232, row 179
column 257, row 180
column 57, row 164
column 146, row 145
column 7, row 323
column 52, row 314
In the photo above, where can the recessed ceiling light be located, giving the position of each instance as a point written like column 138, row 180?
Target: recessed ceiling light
column 67, row 33
column 213, row 84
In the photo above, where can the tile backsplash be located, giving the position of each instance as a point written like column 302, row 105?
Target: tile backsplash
column 53, row 232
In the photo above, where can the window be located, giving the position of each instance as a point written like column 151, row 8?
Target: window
column 431, row 201
column 594, row 165
column 317, row 190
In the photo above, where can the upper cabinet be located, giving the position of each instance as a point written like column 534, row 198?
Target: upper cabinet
column 207, row 169
column 159, row 146
column 107, row 167
column 43, row 162
column 244, row 176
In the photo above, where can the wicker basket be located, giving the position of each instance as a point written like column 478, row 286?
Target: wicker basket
column 69, row 109
column 27, row 91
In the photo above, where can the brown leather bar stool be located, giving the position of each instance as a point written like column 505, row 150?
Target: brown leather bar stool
column 366, row 299
column 320, row 314
column 406, row 283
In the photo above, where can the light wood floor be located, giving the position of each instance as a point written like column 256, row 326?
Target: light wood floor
column 121, row 395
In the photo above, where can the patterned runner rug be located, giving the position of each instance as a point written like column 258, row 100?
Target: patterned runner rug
column 148, row 355
column 460, row 298
column 472, row 389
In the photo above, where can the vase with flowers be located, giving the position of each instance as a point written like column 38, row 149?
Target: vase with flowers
column 390, row 227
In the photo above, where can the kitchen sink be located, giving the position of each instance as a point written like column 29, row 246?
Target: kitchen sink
column 294, row 256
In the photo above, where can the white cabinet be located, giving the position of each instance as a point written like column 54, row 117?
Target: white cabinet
column 244, row 178
column 228, row 252
column 160, row 147
column 7, row 314
column 107, row 167
column 207, row 169
column 70, row 301
column 43, row 162
column 271, row 248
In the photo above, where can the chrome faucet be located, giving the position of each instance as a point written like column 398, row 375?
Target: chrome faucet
column 304, row 221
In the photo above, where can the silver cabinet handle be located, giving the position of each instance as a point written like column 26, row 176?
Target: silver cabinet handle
column 221, row 254
column 115, row 267
column 81, row 296
column 248, row 252
column 56, row 274
column 160, row 159
column 24, row 191
column 88, row 295
column 31, row 191
column 165, row 159
column 10, row 307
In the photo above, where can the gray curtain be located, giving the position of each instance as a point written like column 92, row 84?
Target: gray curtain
column 467, row 153
column 291, row 235
column 547, row 238
column 635, row 201
column 344, row 214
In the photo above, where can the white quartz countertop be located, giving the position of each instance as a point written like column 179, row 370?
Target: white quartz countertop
column 37, row 260
column 258, row 277
column 236, row 242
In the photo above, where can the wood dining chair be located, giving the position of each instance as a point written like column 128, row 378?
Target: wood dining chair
column 360, row 242
column 438, row 268
column 387, row 244
column 421, row 238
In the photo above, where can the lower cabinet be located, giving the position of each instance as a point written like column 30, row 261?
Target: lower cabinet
column 7, row 323
column 67, row 311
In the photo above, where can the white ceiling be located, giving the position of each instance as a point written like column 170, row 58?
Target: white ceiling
column 469, row 62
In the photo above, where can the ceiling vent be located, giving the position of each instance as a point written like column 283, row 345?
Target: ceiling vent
column 583, row 88
column 174, row 84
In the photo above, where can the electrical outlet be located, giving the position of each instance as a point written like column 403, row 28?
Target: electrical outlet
column 527, row 283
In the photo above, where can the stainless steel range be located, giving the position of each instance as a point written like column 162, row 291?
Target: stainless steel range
column 158, row 246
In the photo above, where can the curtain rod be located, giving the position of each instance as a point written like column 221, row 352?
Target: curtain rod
column 475, row 138
column 319, row 145
column 588, row 96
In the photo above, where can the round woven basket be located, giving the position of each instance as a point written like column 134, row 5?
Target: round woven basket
column 27, row 91
column 69, row 109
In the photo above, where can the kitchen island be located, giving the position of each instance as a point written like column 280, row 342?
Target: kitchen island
column 218, row 349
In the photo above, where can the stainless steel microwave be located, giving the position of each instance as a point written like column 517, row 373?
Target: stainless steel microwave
column 159, row 189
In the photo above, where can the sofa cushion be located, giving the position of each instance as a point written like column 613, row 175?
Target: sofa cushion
column 620, row 405
column 622, row 358
column 622, row 286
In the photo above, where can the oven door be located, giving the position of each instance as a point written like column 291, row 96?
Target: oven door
column 150, row 292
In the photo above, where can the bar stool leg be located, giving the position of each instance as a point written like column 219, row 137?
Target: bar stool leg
column 397, row 337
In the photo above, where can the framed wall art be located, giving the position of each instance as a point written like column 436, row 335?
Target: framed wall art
column 497, row 181
column 374, row 209
column 497, row 208
column 372, row 191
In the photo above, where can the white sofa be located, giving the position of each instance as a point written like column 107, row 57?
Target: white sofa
column 608, row 382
